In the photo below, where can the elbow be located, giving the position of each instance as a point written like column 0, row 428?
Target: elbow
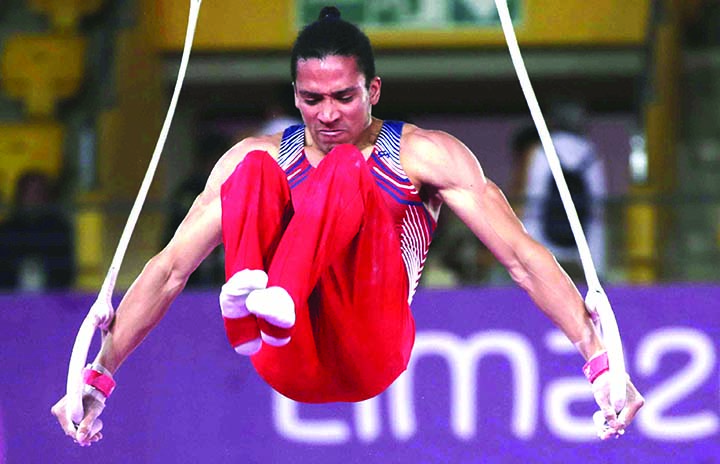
column 518, row 273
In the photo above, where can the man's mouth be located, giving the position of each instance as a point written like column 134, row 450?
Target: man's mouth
column 330, row 133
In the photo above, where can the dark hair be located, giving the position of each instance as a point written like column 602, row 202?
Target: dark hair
column 331, row 35
column 567, row 114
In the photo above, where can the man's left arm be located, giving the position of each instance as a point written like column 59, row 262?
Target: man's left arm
column 454, row 172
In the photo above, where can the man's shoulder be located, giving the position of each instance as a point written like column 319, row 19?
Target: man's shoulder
column 419, row 141
column 267, row 143
column 230, row 160
column 429, row 156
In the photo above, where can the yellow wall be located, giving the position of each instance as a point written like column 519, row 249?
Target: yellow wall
column 230, row 25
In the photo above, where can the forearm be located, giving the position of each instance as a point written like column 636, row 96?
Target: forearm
column 555, row 294
column 142, row 308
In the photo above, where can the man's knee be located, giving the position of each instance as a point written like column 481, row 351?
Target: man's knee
column 345, row 155
column 259, row 164
column 258, row 158
column 256, row 165
column 346, row 161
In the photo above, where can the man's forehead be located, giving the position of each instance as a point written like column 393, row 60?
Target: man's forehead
column 323, row 90
column 330, row 61
column 330, row 68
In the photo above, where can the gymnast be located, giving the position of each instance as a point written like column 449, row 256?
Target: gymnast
column 326, row 227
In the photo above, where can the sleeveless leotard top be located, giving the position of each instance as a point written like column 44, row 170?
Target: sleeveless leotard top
column 414, row 224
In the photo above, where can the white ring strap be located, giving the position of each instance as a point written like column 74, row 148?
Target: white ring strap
column 101, row 312
column 596, row 299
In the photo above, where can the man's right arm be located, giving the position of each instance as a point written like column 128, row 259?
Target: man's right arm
column 160, row 282
column 162, row 279
column 166, row 274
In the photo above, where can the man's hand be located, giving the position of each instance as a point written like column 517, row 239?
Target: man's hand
column 88, row 431
column 613, row 423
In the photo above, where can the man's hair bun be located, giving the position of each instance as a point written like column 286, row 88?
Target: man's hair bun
column 329, row 12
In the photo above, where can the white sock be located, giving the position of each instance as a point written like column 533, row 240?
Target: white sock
column 234, row 293
column 275, row 306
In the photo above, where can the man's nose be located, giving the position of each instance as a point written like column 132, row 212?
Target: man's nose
column 329, row 113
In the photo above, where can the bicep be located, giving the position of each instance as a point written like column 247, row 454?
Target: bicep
column 488, row 214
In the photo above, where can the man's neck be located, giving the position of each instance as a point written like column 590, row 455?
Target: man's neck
column 369, row 136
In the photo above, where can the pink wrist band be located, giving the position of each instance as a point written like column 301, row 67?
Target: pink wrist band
column 101, row 382
column 596, row 366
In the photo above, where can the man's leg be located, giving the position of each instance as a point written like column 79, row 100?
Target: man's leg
column 256, row 208
column 378, row 331
column 340, row 221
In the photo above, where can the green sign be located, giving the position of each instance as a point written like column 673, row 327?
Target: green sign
column 412, row 14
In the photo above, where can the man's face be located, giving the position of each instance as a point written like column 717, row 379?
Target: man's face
column 333, row 99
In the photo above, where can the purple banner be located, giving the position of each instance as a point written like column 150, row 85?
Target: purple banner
column 490, row 381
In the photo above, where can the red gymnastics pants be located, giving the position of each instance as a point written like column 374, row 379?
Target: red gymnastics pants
column 333, row 246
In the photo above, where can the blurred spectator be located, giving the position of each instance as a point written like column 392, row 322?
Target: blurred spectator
column 276, row 120
column 543, row 214
column 36, row 240
column 280, row 113
column 277, row 114
column 211, row 146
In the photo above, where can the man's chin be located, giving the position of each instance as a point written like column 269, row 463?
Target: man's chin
column 326, row 143
column 328, row 147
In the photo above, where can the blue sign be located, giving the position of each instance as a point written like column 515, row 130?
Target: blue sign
column 491, row 380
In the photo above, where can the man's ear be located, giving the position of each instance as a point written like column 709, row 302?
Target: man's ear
column 295, row 96
column 374, row 90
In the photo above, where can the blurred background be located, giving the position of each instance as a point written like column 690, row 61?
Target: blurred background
column 85, row 85
column 631, row 91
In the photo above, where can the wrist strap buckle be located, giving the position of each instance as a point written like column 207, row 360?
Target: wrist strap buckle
column 595, row 366
column 102, row 382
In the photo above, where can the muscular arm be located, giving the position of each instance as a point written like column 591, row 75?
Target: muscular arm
column 162, row 279
column 444, row 164
column 166, row 274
